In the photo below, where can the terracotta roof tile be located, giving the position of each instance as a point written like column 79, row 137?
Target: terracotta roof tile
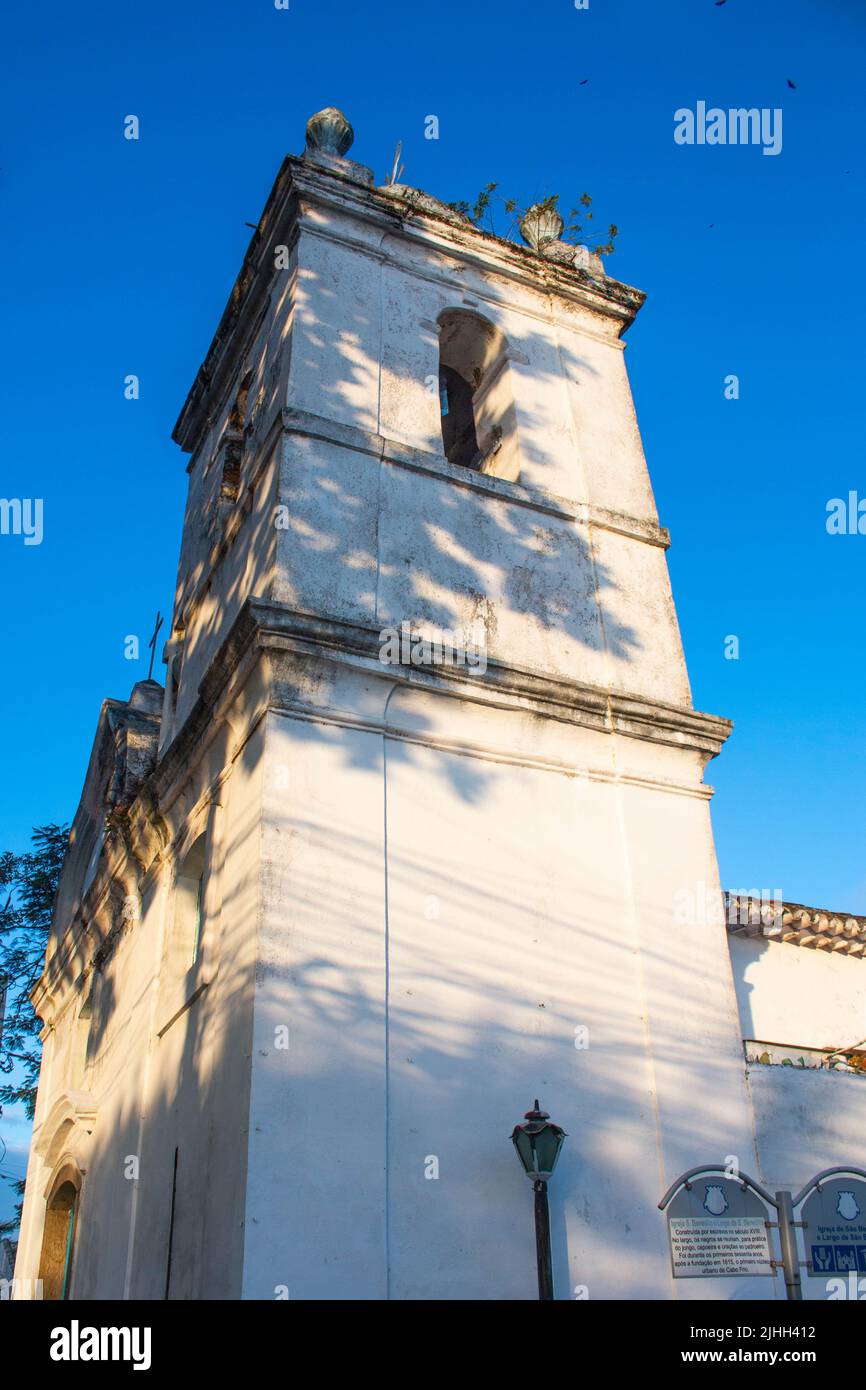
column 812, row 927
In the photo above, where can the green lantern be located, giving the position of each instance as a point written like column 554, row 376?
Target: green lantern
column 538, row 1143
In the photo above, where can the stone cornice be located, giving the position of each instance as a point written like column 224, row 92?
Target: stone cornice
column 428, row 217
column 268, row 627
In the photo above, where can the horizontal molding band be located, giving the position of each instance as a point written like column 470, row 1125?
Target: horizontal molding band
column 275, row 627
column 489, row 754
column 379, row 446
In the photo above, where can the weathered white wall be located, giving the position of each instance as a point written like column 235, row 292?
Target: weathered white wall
column 806, row 1121
column 802, row 998
column 453, row 886
column 382, row 533
column 442, row 910
column 167, row 1067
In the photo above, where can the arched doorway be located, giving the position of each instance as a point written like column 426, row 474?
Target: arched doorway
column 58, row 1235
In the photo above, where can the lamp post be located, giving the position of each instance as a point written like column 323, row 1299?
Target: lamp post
column 538, row 1143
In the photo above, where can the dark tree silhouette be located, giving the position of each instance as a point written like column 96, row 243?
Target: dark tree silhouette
column 28, row 885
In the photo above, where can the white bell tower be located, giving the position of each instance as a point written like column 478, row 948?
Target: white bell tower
column 381, row 903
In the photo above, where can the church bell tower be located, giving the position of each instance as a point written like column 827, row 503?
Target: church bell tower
column 427, row 798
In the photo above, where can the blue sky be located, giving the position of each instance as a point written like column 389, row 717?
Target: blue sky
column 119, row 257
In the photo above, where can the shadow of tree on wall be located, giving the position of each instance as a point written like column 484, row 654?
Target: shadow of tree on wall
column 179, row 1100
column 370, row 540
column 441, row 1101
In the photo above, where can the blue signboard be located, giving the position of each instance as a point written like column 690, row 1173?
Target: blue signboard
column 834, row 1228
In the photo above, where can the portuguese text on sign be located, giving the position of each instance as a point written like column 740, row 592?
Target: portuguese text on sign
column 703, row 1247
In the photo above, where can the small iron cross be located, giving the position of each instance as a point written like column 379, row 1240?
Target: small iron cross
column 152, row 643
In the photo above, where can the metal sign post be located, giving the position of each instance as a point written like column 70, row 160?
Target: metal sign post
column 788, row 1242
column 714, row 1227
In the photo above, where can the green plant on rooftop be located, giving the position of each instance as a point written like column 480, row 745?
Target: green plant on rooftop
column 576, row 228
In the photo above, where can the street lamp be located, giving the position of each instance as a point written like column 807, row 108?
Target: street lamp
column 538, row 1143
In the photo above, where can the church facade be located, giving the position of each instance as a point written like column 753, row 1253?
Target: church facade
column 417, row 829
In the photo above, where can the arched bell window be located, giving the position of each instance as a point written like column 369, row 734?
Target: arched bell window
column 459, row 439
column 476, row 403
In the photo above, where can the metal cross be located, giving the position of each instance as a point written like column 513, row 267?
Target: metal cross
column 152, row 643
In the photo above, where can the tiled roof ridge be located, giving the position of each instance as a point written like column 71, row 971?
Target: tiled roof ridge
column 796, row 924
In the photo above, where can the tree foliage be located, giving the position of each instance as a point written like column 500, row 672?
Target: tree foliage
column 28, row 885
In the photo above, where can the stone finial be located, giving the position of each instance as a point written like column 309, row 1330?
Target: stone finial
column 146, row 695
column 329, row 132
column 540, row 225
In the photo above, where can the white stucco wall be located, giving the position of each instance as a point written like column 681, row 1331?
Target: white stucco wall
column 807, row 1121
column 437, row 922
column 166, row 1068
column 796, row 996
column 379, row 532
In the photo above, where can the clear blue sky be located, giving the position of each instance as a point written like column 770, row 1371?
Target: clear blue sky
column 119, row 257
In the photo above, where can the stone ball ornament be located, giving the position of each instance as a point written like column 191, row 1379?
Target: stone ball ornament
column 329, row 132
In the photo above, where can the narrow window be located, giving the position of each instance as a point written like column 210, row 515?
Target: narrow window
column 479, row 427
column 238, row 417
column 233, row 444
column 458, row 419
column 189, row 909
column 174, row 661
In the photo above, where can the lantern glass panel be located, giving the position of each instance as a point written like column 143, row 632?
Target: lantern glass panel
column 547, row 1145
column 523, row 1146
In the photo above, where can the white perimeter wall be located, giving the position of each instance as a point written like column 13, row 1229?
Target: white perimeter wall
column 796, row 996
column 805, row 1120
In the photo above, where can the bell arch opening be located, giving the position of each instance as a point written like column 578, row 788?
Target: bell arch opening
column 479, row 426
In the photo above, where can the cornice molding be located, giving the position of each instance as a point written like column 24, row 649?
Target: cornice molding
column 274, row 628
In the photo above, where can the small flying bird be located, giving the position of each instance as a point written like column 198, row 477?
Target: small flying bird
column 791, row 84
column 254, row 225
column 583, row 82
column 721, row 2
